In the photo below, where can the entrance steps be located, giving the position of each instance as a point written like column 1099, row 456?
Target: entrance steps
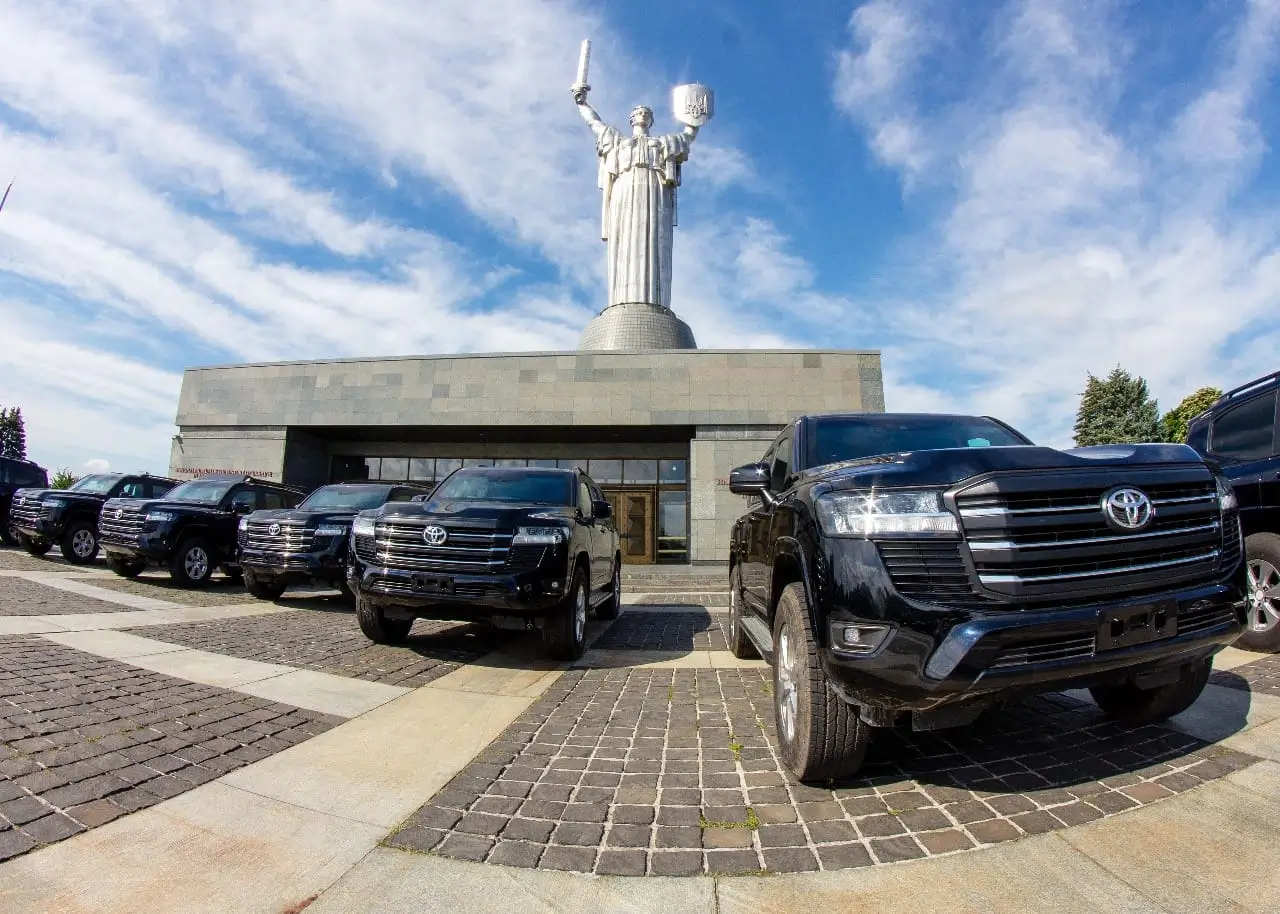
column 674, row 578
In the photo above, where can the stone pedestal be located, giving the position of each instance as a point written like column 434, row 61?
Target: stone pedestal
column 636, row 325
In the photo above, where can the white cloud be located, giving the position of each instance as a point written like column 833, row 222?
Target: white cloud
column 97, row 465
column 1071, row 238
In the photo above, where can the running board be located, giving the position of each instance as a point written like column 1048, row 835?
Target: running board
column 759, row 634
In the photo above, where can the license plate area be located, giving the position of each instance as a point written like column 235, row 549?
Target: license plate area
column 432, row 584
column 1137, row 625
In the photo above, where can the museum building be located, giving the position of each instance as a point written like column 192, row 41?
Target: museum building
column 658, row 429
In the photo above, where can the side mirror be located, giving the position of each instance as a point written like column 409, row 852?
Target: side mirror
column 752, row 479
column 602, row 510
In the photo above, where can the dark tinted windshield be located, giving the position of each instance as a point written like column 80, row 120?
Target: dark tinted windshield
column 199, row 490
column 836, row 439
column 95, row 485
column 357, row 498
column 507, row 485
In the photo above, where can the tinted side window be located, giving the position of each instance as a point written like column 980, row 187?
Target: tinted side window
column 246, row 497
column 1199, row 438
column 269, row 499
column 781, row 466
column 1246, row 432
column 133, row 488
column 157, row 489
column 30, row 477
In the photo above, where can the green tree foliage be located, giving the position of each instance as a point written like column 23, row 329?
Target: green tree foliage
column 63, row 479
column 1117, row 410
column 13, row 434
column 1175, row 421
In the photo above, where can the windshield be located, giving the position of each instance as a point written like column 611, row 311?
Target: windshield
column 207, row 492
column 357, row 498
column 835, row 439
column 507, row 485
column 95, row 485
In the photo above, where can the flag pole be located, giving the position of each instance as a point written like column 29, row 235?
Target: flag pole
column 6, row 196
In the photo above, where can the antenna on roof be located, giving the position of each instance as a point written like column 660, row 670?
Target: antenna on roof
column 6, row 196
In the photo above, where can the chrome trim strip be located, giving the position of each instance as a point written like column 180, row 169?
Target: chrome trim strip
column 988, row 545
column 1079, row 507
column 1211, row 555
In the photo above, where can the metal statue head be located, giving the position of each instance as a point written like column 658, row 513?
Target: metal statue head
column 641, row 119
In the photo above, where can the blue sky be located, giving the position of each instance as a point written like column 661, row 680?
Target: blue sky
column 1002, row 197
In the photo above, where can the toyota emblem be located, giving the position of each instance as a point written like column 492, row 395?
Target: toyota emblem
column 435, row 536
column 119, row 512
column 1127, row 509
column 274, row 529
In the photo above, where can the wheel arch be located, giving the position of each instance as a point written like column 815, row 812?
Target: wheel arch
column 790, row 567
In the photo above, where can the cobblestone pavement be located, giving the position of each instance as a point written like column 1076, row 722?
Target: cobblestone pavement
column 85, row 740
column 674, row 631
column 1261, row 675
column 675, row 772
column 19, row 597
column 331, row 642
column 658, row 598
column 12, row 559
column 220, row 591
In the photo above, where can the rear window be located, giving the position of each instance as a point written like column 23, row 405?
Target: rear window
column 834, row 439
column 521, row 486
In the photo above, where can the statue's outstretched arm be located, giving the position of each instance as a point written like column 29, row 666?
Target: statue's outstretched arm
column 588, row 113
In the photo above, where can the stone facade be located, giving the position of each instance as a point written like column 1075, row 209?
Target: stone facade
column 716, row 409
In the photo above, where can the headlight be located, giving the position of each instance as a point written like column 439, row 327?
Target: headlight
column 362, row 526
column 160, row 517
column 244, row 523
column 1227, row 500
column 885, row 514
column 53, row 503
column 540, row 536
column 331, row 531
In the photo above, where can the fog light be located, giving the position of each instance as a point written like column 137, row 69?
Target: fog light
column 857, row 638
column 555, row 586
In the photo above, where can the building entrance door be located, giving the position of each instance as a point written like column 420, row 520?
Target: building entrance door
column 633, row 515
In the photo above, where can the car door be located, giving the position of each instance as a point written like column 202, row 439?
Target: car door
column 778, row 522
column 756, row 548
column 589, row 531
column 1242, row 440
column 605, row 540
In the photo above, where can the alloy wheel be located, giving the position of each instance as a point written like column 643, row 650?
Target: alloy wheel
column 83, row 544
column 196, row 564
column 580, row 615
column 1264, row 596
column 788, row 697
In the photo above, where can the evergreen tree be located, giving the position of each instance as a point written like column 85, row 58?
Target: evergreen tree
column 1117, row 410
column 63, row 479
column 1175, row 421
column 17, row 434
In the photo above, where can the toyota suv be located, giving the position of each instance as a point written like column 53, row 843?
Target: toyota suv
column 308, row 544
column 68, row 518
column 14, row 476
column 520, row 548
column 924, row 568
column 1238, row 435
column 190, row 531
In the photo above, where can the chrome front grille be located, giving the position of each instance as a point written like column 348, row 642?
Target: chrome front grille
column 466, row 550
column 1035, row 537
column 120, row 525
column 1046, row 650
column 278, row 537
column 24, row 511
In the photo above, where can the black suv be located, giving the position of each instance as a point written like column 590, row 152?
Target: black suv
column 517, row 548
column 191, row 530
column 926, row 568
column 68, row 518
column 15, row 475
column 309, row 543
column 1238, row 435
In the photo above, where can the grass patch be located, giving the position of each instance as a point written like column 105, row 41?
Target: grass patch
column 735, row 747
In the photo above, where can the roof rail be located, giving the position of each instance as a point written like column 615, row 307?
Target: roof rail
column 1245, row 388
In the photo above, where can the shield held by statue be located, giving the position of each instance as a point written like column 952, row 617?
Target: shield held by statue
column 693, row 104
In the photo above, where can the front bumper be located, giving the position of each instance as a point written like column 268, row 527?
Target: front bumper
column 44, row 529
column 324, row 564
column 150, row 547
column 936, row 656
column 523, row 595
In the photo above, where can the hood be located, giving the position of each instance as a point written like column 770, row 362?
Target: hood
column 303, row 515
column 485, row 515
column 66, row 494
column 947, row 467
column 159, row 504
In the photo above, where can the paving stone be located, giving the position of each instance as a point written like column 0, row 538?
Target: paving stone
column 844, row 856
column 732, row 862
column 52, row 828
column 789, row 860
column 892, row 850
column 575, row 859
column 832, row 832
column 578, row 833
column 14, row 842
column 465, row 847
column 629, row 836
column 621, row 863
column 95, row 813
column 516, row 853
column 676, row 863
column 781, row 836
column 993, row 831
column 726, row 838
column 416, row 838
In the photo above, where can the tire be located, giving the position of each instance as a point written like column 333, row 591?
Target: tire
column 1262, row 555
column 191, row 566
column 262, row 588
column 1130, row 704
column 124, row 567
column 35, row 547
column 739, row 644
column 79, row 544
column 820, row 737
column 377, row 627
column 564, row 632
column 612, row 607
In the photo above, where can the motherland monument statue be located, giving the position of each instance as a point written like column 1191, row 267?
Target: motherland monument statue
column 638, row 177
